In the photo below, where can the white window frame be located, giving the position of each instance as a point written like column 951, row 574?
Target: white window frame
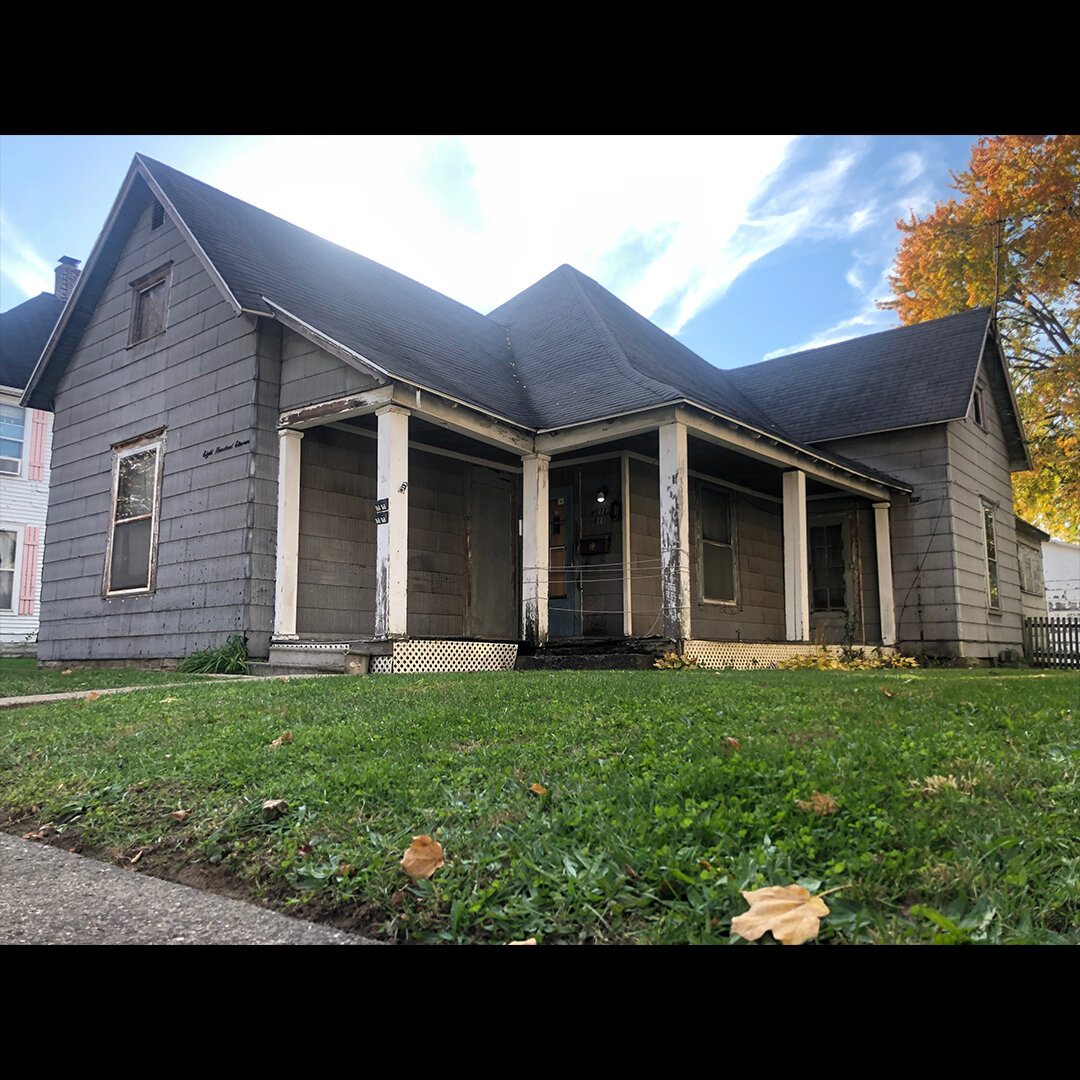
column 121, row 451
column 15, row 569
column 978, row 408
column 715, row 489
column 25, row 440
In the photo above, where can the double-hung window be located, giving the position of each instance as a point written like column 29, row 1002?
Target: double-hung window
column 8, row 543
column 131, row 562
column 12, row 439
column 717, row 546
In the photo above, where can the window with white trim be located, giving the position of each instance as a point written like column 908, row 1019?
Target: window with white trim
column 12, row 439
column 8, row 545
column 131, row 561
column 718, row 578
column 993, row 598
column 150, row 304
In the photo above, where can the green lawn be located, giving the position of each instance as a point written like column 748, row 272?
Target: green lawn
column 959, row 816
column 20, row 676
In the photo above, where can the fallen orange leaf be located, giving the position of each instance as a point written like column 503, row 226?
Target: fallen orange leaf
column 539, row 789
column 90, row 697
column 287, row 737
column 423, row 858
column 789, row 911
column 68, row 672
column 527, row 941
column 179, row 815
column 819, row 804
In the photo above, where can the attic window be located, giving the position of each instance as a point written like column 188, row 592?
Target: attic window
column 157, row 217
column 150, row 304
column 977, row 413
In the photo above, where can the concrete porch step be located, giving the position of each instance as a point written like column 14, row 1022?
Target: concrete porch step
column 319, row 657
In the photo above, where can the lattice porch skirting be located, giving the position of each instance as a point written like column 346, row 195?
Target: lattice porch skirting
column 429, row 656
column 748, row 655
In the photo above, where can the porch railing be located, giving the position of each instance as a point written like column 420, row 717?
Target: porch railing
column 1052, row 642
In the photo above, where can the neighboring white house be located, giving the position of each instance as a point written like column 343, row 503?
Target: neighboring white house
column 25, row 454
column 1061, row 568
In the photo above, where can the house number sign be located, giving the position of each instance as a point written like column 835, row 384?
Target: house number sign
column 382, row 511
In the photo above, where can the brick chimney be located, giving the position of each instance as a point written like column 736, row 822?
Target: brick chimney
column 67, row 274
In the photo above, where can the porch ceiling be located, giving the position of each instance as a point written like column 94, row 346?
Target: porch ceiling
column 421, row 431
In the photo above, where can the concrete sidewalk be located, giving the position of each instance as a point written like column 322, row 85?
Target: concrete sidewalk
column 50, row 897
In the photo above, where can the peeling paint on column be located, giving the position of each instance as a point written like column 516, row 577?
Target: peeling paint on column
column 675, row 531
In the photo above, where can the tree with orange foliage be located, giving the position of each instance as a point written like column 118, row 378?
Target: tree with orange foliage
column 1012, row 239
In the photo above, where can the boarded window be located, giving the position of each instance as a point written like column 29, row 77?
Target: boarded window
column 136, row 505
column 717, row 546
column 7, row 569
column 149, row 305
column 12, row 434
column 993, row 599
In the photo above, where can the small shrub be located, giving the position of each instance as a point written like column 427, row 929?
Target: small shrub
column 227, row 659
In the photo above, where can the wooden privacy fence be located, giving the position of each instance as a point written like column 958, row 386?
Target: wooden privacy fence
column 1052, row 642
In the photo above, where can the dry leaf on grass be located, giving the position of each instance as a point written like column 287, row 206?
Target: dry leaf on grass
column 819, row 804
column 423, row 858
column 789, row 911
column 287, row 737
column 67, row 672
column 539, row 789
column 167, row 700
column 527, row 941
column 272, row 808
column 730, row 744
column 91, row 696
column 179, row 815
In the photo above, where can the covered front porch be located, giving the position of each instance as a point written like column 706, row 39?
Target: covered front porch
column 424, row 532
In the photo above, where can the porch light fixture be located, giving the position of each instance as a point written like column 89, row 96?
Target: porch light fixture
column 601, row 494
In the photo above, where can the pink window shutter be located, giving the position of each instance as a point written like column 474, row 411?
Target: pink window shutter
column 28, row 584
column 39, row 432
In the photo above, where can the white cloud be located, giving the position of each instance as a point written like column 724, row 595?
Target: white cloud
column 868, row 321
column 909, row 165
column 21, row 264
column 482, row 217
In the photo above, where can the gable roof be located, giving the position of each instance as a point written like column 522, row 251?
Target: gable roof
column 24, row 330
column 915, row 375
column 264, row 264
column 581, row 353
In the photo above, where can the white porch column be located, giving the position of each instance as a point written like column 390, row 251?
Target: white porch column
column 886, row 598
column 534, row 548
column 675, row 531
column 392, row 524
column 796, row 558
column 288, row 532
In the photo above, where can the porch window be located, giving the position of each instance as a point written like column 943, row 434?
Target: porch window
column 993, row 599
column 131, row 560
column 827, row 567
column 717, row 546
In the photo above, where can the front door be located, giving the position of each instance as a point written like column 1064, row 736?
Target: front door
column 564, row 582
column 834, row 600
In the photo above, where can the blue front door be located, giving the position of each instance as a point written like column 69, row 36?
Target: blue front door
column 564, row 582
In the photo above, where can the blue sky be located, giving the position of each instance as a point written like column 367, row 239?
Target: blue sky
column 744, row 247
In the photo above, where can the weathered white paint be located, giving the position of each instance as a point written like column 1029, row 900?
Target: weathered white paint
column 886, row 599
column 534, row 548
column 288, row 532
column 365, row 402
column 675, row 531
column 628, row 614
column 796, row 558
column 392, row 538
column 445, row 412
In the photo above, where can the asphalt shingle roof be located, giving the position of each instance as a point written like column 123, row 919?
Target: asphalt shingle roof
column 24, row 330
column 921, row 374
column 404, row 327
column 581, row 353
